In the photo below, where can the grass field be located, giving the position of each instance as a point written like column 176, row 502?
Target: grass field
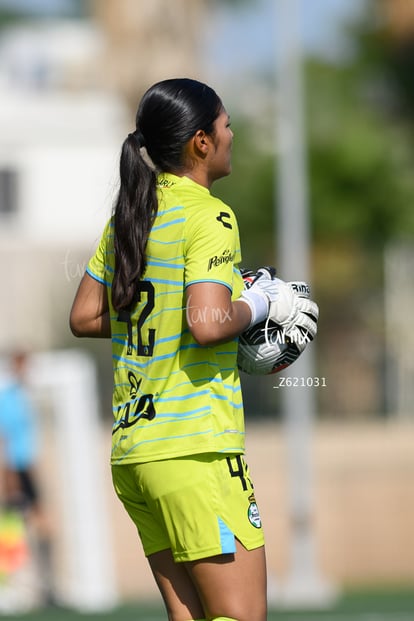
column 375, row 605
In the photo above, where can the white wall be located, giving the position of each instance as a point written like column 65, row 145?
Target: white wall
column 62, row 138
column 65, row 150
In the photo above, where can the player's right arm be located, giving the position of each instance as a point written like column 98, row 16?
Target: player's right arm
column 90, row 310
column 212, row 252
column 212, row 316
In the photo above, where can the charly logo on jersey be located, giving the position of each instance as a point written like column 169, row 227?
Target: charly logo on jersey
column 223, row 217
column 226, row 257
column 253, row 513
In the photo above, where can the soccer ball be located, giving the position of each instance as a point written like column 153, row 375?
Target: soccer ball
column 263, row 349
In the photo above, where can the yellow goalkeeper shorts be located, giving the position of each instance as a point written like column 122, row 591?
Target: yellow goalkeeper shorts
column 195, row 505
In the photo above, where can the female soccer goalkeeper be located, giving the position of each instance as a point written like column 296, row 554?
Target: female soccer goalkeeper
column 165, row 286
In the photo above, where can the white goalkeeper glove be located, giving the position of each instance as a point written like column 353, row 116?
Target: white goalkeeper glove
column 258, row 298
column 291, row 308
column 304, row 329
column 288, row 305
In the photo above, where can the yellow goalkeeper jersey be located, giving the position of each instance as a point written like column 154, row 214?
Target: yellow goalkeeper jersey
column 171, row 396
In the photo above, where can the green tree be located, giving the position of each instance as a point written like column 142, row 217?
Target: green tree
column 249, row 191
column 359, row 121
column 360, row 162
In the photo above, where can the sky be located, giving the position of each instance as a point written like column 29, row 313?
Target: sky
column 240, row 41
column 37, row 6
column 247, row 33
column 238, row 44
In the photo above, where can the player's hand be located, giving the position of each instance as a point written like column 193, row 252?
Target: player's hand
column 289, row 305
column 260, row 297
column 306, row 325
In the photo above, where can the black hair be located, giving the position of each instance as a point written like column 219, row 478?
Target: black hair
column 169, row 114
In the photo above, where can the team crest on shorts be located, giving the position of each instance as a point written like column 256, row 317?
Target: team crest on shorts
column 253, row 513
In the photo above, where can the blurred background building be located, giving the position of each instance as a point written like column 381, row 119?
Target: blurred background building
column 71, row 74
column 68, row 92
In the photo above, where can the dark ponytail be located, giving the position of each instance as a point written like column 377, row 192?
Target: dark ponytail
column 135, row 209
column 169, row 115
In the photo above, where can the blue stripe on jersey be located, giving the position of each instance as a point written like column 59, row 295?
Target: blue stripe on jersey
column 170, row 266
column 162, row 378
column 231, row 367
column 132, row 365
column 95, row 277
column 180, row 416
column 170, row 210
column 218, row 282
column 179, row 256
column 219, row 397
column 190, row 346
column 236, row 406
column 168, row 419
column 122, row 340
column 231, row 431
column 197, row 393
column 193, row 382
column 170, row 292
column 169, row 400
column 166, row 281
column 166, row 339
column 198, row 433
column 167, row 224
column 227, row 541
column 166, row 243
column 173, row 415
column 211, row 380
column 142, row 364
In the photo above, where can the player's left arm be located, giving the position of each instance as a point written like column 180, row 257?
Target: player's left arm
column 89, row 315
